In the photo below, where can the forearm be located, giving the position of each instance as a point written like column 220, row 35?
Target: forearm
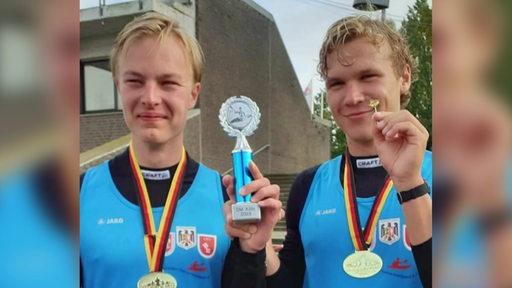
column 418, row 218
column 417, row 212
column 272, row 260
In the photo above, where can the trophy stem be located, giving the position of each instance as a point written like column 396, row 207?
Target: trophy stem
column 244, row 210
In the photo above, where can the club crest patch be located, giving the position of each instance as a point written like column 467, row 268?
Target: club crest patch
column 169, row 248
column 207, row 245
column 186, row 237
column 389, row 230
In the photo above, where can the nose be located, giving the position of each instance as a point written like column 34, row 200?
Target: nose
column 151, row 95
column 353, row 94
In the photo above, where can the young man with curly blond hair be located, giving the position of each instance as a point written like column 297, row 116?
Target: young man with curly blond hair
column 363, row 219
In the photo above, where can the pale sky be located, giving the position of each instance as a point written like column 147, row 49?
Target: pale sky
column 302, row 24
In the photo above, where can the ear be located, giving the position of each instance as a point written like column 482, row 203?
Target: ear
column 196, row 88
column 405, row 79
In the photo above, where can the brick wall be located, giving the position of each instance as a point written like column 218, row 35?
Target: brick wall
column 97, row 129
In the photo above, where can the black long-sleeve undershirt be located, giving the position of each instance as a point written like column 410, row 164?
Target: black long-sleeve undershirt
column 292, row 269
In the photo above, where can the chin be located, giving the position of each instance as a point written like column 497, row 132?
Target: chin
column 360, row 137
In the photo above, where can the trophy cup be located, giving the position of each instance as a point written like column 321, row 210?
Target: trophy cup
column 240, row 116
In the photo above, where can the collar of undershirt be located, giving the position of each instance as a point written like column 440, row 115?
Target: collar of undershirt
column 367, row 170
column 368, row 180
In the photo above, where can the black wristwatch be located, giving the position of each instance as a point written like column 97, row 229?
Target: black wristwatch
column 414, row 193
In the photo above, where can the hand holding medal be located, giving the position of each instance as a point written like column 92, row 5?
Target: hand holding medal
column 400, row 140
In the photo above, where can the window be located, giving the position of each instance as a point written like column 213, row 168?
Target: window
column 98, row 90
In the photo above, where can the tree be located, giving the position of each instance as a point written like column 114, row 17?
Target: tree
column 337, row 138
column 417, row 29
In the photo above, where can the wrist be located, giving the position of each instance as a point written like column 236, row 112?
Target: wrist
column 404, row 184
column 245, row 247
column 411, row 194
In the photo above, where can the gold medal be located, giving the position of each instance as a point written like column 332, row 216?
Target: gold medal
column 157, row 280
column 374, row 103
column 362, row 264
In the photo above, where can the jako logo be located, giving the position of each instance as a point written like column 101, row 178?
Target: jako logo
column 109, row 221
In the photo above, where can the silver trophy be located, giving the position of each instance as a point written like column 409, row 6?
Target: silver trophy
column 240, row 116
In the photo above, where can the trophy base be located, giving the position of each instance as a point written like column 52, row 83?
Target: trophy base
column 246, row 212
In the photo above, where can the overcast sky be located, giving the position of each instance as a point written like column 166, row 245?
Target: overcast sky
column 302, row 24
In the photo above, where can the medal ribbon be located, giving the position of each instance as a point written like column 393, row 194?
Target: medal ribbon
column 155, row 242
column 361, row 241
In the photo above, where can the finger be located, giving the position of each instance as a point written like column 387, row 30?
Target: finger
column 404, row 130
column 271, row 204
column 378, row 138
column 235, row 232
column 227, row 181
column 255, row 171
column 254, row 186
column 282, row 213
column 270, row 191
column 386, row 119
column 226, row 209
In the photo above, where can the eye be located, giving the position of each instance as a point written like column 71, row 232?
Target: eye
column 368, row 77
column 169, row 83
column 334, row 84
column 133, row 81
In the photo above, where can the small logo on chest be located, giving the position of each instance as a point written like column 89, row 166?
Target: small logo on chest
column 325, row 212
column 368, row 163
column 110, row 220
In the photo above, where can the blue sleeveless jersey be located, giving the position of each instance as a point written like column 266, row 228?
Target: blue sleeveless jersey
column 111, row 234
column 325, row 234
column 463, row 261
column 34, row 250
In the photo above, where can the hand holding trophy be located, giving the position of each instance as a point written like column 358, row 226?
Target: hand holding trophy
column 240, row 116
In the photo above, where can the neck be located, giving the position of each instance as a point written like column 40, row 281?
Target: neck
column 359, row 149
column 156, row 156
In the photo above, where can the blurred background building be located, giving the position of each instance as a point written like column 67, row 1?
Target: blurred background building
column 244, row 56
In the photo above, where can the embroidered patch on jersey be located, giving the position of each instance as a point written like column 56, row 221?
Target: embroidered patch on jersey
column 389, row 230
column 368, row 163
column 207, row 245
column 400, row 264
column 186, row 237
column 170, row 244
column 407, row 241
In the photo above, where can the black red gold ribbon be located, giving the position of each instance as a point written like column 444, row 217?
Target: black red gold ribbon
column 361, row 240
column 155, row 241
